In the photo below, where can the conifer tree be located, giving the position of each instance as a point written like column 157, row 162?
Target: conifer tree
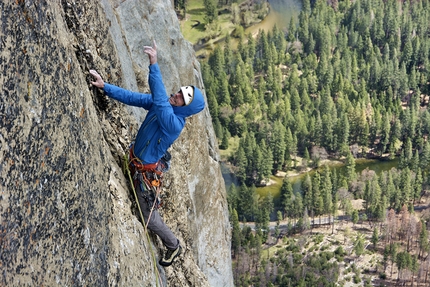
column 317, row 199
column 291, row 37
column 359, row 245
column 224, row 142
column 228, row 54
column 385, row 132
column 259, row 165
column 417, row 185
column 297, row 205
column 267, row 161
column 287, row 197
column 241, row 164
column 350, row 167
column 424, row 243
column 307, row 191
column 235, row 233
column 232, row 197
column 405, row 186
column 326, row 190
column 223, row 91
column 218, row 128
column 425, row 157
column 278, row 145
column 210, row 10
column 354, row 216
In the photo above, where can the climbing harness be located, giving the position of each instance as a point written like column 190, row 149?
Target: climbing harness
column 149, row 177
column 126, row 169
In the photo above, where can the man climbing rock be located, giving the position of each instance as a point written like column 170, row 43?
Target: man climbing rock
column 161, row 127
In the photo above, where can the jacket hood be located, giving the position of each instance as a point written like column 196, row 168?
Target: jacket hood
column 197, row 105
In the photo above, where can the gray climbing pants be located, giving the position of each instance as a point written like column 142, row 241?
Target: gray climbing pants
column 156, row 223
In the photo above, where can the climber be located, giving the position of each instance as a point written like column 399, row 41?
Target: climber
column 162, row 126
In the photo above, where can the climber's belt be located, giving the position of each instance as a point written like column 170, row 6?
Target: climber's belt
column 136, row 164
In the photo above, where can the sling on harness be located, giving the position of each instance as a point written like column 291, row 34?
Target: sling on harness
column 149, row 177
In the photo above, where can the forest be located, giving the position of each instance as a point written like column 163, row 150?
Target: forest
column 348, row 80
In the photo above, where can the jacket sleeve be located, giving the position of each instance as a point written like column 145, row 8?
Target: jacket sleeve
column 169, row 122
column 128, row 97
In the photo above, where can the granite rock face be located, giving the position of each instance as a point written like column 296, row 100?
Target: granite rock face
column 67, row 215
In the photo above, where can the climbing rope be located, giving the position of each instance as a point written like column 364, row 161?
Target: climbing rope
column 127, row 170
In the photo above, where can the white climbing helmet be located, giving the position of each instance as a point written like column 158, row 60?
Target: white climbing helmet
column 188, row 93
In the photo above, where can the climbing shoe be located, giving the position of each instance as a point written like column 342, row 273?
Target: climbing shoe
column 170, row 256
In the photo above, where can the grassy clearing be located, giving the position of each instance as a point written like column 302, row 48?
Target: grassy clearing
column 233, row 145
column 193, row 26
column 195, row 13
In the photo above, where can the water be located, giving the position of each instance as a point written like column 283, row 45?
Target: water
column 280, row 14
column 378, row 166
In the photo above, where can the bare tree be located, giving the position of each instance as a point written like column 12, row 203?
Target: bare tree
column 404, row 222
column 391, row 229
column 411, row 232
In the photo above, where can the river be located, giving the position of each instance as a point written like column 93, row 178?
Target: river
column 378, row 166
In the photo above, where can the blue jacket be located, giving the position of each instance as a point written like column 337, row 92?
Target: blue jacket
column 163, row 123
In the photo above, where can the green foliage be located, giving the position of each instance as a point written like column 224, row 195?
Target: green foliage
column 339, row 253
column 210, row 10
column 359, row 245
column 350, row 78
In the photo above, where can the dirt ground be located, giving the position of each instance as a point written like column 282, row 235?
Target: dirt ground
column 370, row 263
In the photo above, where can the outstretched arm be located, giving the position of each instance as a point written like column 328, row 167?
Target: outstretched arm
column 122, row 95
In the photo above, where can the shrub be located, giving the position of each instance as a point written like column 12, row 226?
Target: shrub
column 357, row 279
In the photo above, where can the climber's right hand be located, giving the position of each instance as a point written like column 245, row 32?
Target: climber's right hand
column 151, row 52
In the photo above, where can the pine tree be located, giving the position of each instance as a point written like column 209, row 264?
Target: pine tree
column 297, row 205
column 359, row 245
column 350, row 167
column 235, row 233
column 287, row 197
column 225, row 138
column 278, row 145
column 232, row 197
column 210, row 10
column 228, row 54
column 307, row 191
column 354, row 216
column 326, row 190
column 425, row 157
column 424, row 243
column 241, row 164
column 417, row 186
column 248, row 202
column 223, row 91
column 385, row 132
column 405, row 186
column 317, row 199
column 267, row 160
